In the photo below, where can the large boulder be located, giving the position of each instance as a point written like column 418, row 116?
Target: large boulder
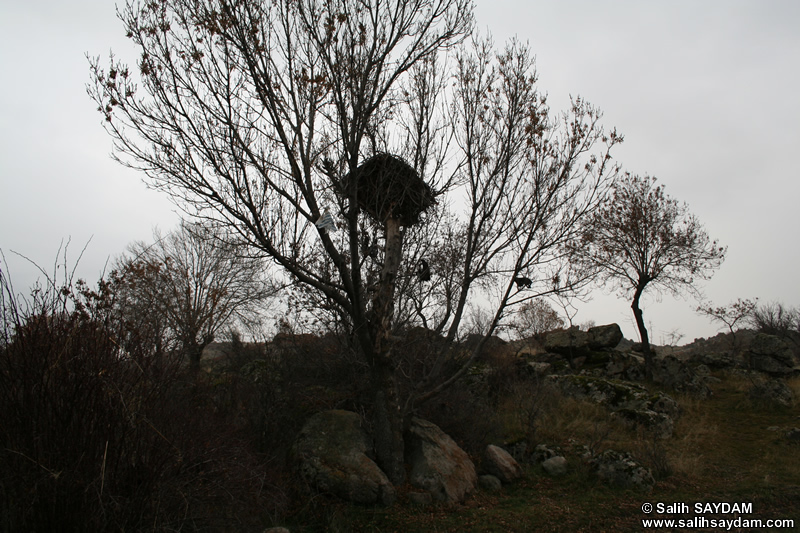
column 501, row 464
column 772, row 355
column 333, row 451
column 604, row 337
column 569, row 342
column 437, row 464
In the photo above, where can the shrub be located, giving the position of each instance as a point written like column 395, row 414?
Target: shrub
column 95, row 437
column 776, row 319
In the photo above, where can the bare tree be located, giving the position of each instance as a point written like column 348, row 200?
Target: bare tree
column 641, row 238
column 730, row 315
column 536, row 317
column 277, row 119
column 187, row 286
column 775, row 318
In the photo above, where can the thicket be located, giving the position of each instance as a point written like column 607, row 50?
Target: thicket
column 103, row 430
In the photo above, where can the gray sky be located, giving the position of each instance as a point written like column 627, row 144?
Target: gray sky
column 705, row 93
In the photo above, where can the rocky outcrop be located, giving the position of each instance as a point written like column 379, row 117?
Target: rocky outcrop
column 670, row 371
column 625, row 366
column 772, row 355
column 621, row 470
column 631, row 402
column 660, row 424
column 437, row 464
column 333, row 450
column 773, row 391
column 500, row 464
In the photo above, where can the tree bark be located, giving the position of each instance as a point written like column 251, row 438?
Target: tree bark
column 637, row 313
column 388, row 424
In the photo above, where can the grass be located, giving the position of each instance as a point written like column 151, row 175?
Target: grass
column 721, row 451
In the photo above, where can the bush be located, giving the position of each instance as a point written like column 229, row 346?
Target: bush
column 775, row 319
column 95, row 437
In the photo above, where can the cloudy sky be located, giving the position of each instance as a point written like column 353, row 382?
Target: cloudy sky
column 705, row 93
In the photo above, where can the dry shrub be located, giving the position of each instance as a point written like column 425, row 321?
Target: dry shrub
column 97, row 438
column 465, row 414
column 651, row 451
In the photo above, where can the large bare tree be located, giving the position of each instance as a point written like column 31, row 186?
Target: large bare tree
column 639, row 238
column 277, row 119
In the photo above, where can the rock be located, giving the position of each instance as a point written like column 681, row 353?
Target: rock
column 611, row 392
column 661, row 424
column 716, row 360
column 793, row 434
column 629, row 401
column 422, row 498
column 437, row 464
column 771, row 354
column 661, row 403
column 519, row 451
column 500, row 464
column 620, row 470
column 490, row 483
column 332, row 449
column 608, row 336
column 626, row 366
column 542, row 453
column 702, row 370
column 570, row 342
column 539, row 368
column 670, row 371
column 555, row 466
column 773, row 391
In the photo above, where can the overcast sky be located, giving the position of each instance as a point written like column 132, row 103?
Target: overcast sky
column 705, row 93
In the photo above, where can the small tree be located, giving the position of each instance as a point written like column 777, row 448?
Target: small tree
column 730, row 315
column 187, row 286
column 536, row 317
column 640, row 238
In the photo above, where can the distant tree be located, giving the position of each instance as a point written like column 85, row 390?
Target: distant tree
column 535, row 317
column 187, row 286
column 641, row 238
column 737, row 312
column 393, row 168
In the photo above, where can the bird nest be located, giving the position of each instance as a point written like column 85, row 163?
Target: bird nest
column 388, row 187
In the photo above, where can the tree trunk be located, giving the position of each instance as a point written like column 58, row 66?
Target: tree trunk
column 388, row 426
column 637, row 313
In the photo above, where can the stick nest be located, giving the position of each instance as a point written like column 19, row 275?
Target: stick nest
column 388, row 187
